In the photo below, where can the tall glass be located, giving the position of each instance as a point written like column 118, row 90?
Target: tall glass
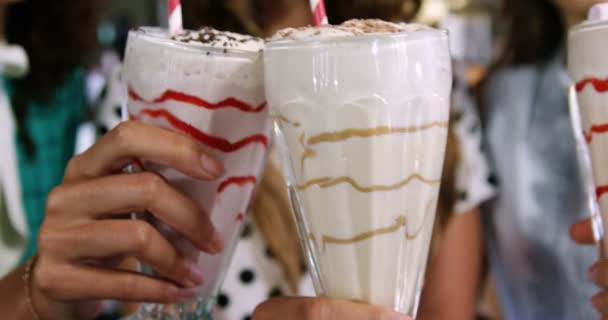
column 216, row 96
column 588, row 98
column 361, row 124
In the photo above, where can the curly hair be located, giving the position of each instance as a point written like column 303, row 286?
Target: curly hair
column 58, row 36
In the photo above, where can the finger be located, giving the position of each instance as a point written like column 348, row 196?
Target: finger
column 598, row 273
column 74, row 282
column 138, row 192
column 111, row 238
column 322, row 309
column 133, row 139
column 582, row 232
column 600, row 303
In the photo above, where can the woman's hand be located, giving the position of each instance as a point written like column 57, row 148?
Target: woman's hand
column 321, row 309
column 582, row 233
column 86, row 234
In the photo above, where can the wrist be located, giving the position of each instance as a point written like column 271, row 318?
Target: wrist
column 39, row 305
column 34, row 300
column 43, row 307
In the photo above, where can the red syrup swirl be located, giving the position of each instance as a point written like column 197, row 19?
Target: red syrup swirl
column 172, row 95
column 241, row 181
column 600, row 85
column 600, row 191
column 214, row 142
column 595, row 129
column 208, row 140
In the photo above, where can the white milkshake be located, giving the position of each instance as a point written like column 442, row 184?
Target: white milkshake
column 208, row 85
column 362, row 123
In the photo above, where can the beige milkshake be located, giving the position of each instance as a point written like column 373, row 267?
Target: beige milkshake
column 362, row 123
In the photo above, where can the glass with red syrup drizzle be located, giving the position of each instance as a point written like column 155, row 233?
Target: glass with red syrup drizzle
column 207, row 85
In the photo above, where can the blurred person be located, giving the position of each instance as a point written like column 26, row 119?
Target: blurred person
column 539, row 272
column 41, row 111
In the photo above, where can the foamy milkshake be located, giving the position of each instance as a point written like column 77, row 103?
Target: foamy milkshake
column 208, row 85
column 361, row 112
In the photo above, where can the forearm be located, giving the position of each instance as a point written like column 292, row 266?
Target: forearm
column 452, row 285
column 13, row 299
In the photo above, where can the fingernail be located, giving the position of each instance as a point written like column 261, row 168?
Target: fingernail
column 216, row 244
column 186, row 293
column 211, row 167
column 195, row 275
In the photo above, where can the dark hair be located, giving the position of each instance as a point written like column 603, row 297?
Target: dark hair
column 339, row 11
column 249, row 17
column 58, row 36
column 535, row 30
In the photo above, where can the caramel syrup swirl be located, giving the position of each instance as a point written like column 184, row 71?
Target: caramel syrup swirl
column 370, row 132
column 414, row 235
column 307, row 153
column 400, row 221
column 283, row 118
column 327, row 182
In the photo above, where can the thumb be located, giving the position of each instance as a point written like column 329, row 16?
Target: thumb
column 322, row 309
column 582, row 232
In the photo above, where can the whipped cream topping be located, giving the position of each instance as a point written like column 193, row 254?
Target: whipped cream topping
column 349, row 28
column 220, row 39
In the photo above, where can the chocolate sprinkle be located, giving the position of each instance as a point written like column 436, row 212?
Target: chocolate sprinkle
column 216, row 38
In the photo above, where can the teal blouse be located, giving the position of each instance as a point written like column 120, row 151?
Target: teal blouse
column 52, row 127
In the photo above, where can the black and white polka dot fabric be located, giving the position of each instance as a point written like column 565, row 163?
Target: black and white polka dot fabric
column 253, row 277
column 475, row 182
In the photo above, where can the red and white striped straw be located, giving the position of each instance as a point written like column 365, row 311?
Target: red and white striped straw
column 175, row 17
column 318, row 12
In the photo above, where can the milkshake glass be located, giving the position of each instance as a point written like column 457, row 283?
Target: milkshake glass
column 588, row 68
column 361, row 114
column 207, row 85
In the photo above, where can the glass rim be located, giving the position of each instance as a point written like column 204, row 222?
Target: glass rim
column 346, row 40
column 153, row 34
column 588, row 26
